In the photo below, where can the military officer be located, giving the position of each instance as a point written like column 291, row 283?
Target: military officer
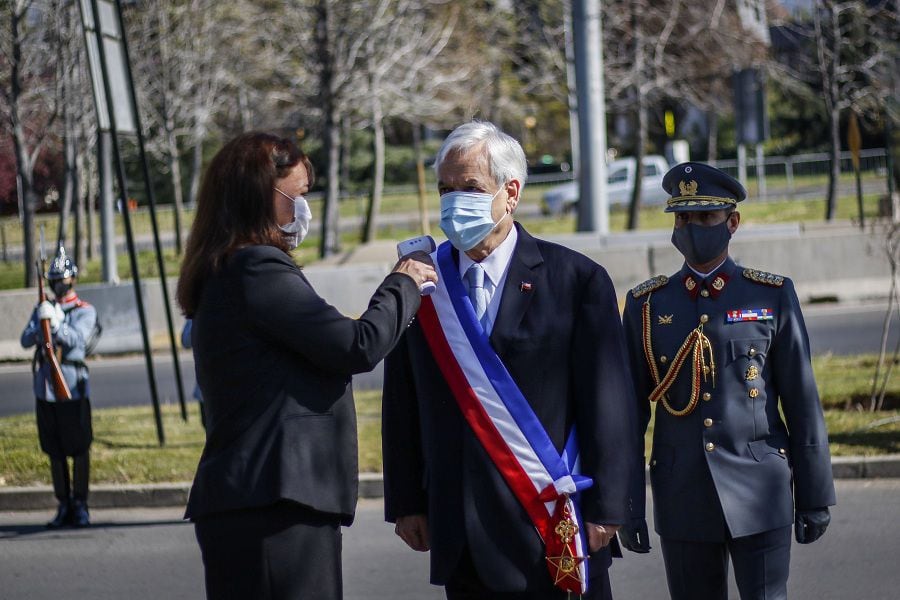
column 64, row 426
column 718, row 348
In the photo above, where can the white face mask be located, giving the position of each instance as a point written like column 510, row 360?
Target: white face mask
column 299, row 227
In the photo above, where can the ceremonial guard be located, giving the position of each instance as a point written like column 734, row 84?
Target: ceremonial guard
column 719, row 348
column 63, row 331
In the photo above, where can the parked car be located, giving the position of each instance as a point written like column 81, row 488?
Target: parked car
column 619, row 183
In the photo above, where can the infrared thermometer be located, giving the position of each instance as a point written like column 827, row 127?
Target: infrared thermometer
column 423, row 243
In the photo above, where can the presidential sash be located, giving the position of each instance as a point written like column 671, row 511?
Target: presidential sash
column 541, row 479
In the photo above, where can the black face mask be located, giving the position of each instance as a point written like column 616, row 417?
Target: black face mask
column 700, row 245
column 60, row 288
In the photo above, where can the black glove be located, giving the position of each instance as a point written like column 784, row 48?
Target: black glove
column 809, row 525
column 634, row 536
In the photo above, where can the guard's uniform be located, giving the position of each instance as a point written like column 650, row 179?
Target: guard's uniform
column 64, row 426
column 716, row 354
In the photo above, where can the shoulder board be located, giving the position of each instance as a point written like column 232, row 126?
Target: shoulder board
column 648, row 286
column 764, row 278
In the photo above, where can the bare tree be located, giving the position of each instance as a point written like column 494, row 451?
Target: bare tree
column 673, row 52
column 29, row 100
column 73, row 98
column 404, row 41
column 179, row 73
column 843, row 54
column 339, row 45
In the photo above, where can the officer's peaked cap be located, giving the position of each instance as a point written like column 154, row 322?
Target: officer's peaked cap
column 697, row 186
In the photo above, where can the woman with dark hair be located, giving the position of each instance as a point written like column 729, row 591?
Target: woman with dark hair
column 278, row 475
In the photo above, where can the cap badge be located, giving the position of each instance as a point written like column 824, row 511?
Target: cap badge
column 688, row 188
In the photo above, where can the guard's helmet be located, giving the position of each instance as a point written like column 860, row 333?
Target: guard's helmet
column 62, row 266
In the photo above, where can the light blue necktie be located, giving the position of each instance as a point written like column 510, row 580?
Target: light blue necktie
column 477, row 293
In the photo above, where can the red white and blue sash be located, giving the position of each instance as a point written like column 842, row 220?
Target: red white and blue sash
column 544, row 482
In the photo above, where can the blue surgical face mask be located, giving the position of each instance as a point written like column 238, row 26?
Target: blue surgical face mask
column 466, row 218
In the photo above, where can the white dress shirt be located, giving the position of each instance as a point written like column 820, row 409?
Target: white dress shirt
column 705, row 275
column 495, row 266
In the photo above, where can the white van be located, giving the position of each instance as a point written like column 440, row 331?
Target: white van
column 619, row 183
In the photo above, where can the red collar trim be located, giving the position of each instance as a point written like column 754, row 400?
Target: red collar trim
column 714, row 284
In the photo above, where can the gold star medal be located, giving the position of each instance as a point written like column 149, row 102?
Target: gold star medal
column 561, row 560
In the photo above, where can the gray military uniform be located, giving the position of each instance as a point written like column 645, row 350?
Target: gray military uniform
column 719, row 354
column 71, row 338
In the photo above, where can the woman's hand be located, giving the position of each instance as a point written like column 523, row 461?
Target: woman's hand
column 419, row 266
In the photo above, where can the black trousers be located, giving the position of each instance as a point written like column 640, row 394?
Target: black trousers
column 279, row 552
column 699, row 570
column 466, row 584
column 59, row 472
column 64, row 427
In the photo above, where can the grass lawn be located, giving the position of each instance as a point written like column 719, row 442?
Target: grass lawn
column 125, row 448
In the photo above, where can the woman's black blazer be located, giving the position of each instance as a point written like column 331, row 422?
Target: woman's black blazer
column 274, row 363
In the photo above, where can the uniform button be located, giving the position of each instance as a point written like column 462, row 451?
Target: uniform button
column 754, row 392
column 663, row 359
column 704, row 293
column 710, row 446
column 781, row 451
column 751, row 351
column 707, row 422
column 707, row 396
column 704, row 318
column 653, row 463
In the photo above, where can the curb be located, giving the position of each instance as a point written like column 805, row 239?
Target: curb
column 148, row 495
column 371, row 485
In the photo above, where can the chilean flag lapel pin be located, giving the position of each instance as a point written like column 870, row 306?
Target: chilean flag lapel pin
column 525, row 286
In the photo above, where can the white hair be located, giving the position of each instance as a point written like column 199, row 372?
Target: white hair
column 505, row 155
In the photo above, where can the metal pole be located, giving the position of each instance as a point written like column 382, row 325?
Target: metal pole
column 108, row 262
column 572, row 87
column 859, row 197
column 789, row 171
column 760, row 173
column 889, row 163
column 593, row 204
column 160, row 262
column 126, row 217
column 742, row 164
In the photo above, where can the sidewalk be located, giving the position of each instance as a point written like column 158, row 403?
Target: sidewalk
column 371, row 485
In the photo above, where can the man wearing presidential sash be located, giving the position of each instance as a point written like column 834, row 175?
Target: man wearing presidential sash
column 740, row 451
column 509, row 425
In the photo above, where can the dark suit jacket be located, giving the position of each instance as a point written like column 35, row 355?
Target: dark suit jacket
column 562, row 343
column 732, row 464
column 274, row 361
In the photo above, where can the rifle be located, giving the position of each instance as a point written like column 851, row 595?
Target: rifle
column 60, row 388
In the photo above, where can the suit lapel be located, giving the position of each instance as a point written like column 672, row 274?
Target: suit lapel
column 517, row 296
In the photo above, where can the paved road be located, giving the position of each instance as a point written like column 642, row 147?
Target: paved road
column 149, row 554
column 123, row 381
